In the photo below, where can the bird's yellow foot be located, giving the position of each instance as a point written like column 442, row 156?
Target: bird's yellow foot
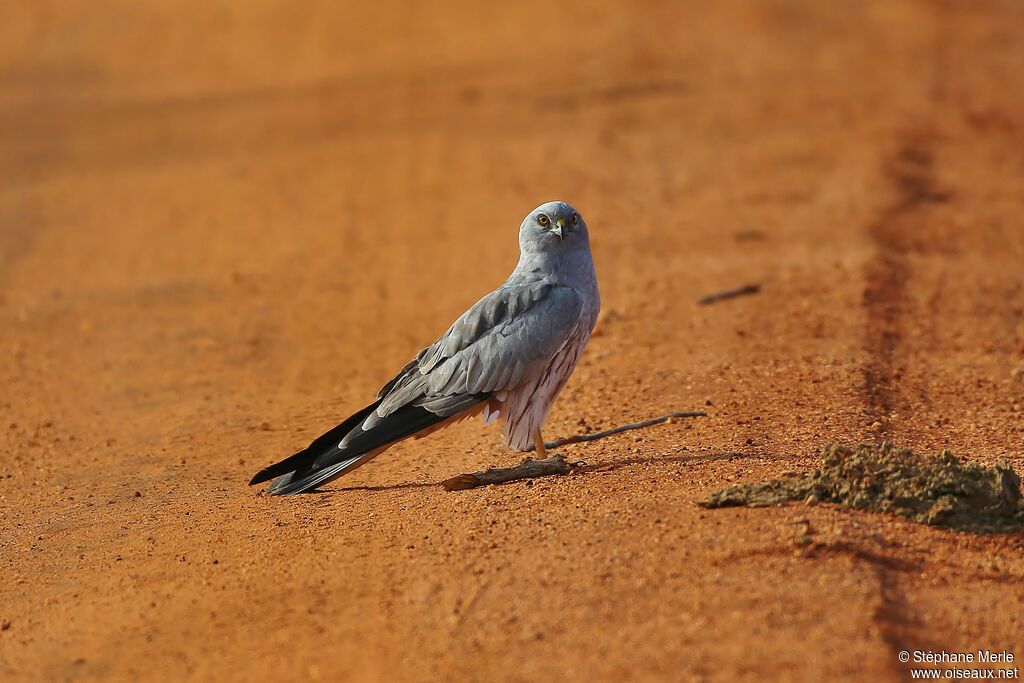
column 538, row 445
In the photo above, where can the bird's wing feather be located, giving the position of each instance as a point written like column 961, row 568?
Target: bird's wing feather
column 502, row 340
column 325, row 460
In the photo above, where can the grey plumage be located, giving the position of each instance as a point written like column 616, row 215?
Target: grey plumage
column 509, row 355
column 509, row 334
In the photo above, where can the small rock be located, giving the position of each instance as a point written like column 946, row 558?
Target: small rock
column 876, row 426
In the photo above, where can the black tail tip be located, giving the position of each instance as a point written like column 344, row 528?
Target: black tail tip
column 261, row 476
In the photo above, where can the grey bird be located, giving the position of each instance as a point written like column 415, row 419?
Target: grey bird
column 508, row 356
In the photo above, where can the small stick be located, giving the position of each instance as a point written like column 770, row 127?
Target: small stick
column 530, row 468
column 581, row 438
column 729, row 294
column 527, row 469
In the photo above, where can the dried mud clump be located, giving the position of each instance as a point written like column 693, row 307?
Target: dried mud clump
column 940, row 490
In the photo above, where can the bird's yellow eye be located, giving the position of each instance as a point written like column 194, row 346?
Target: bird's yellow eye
column 543, row 220
column 575, row 219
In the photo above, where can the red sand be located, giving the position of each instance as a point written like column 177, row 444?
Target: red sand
column 215, row 226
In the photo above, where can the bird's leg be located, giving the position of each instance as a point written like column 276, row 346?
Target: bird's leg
column 538, row 445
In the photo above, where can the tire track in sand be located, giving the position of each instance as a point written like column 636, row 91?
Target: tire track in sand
column 911, row 173
column 895, row 235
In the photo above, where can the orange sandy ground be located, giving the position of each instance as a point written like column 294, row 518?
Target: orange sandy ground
column 223, row 228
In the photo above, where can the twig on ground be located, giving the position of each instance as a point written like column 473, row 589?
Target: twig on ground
column 530, row 468
column 729, row 294
column 527, row 469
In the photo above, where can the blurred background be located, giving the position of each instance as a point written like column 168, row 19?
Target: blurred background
column 224, row 225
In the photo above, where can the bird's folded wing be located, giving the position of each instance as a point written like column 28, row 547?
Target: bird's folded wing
column 503, row 340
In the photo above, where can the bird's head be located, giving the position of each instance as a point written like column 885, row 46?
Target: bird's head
column 553, row 227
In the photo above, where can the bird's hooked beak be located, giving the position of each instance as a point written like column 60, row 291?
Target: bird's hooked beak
column 559, row 228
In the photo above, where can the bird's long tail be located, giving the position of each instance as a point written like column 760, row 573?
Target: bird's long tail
column 348, row 446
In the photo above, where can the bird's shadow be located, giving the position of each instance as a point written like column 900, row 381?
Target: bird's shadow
column 582, row 470
column 385, row 487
